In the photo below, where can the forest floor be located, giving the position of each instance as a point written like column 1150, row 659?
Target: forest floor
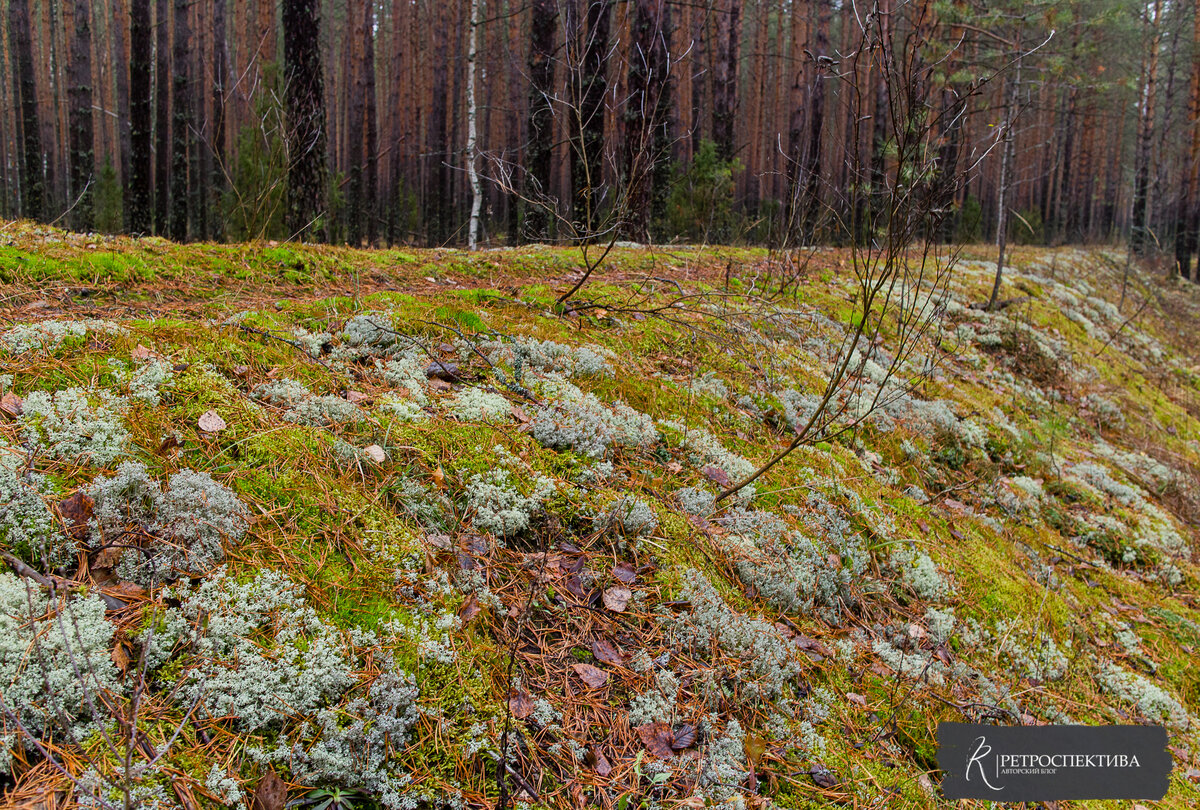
column 428, row 505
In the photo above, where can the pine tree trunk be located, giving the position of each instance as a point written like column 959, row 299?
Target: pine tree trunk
column 1139, row 225
column 124, row 123
column 141, row 51
column 355, row 114
column 816, row 125
column 33, row 186
column 199, row 155
column 1006, row 170
column 541, row 120
column 439, row 207
column 588, row 162
column 799, row 93
column 220, row 67
column 162, row 123
column 643, row 112
column 1189, row 205
column 371, row 217
column 725, row 100
column 306, row 136
column 181, row 121
column 79, row 95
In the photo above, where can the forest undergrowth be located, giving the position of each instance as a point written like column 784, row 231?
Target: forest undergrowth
column 393, row 528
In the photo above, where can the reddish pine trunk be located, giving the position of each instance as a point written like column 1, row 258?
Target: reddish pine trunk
column 25, row 88
column 79, row 95
column 140, row 145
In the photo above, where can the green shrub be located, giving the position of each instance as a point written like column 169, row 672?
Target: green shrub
column 970, row 221
column 700, row 206
column 109, row 200
column 1026, row 227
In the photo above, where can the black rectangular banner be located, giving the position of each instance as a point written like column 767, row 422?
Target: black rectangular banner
column 1052, row 763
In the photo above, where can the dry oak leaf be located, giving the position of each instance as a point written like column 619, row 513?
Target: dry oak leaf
column 108, row 558
column 375, row 453
column 592, row 676
column 616, row 598
column 658, row 739
column 211, row 422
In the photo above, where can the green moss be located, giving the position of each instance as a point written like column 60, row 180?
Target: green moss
column 464, row 319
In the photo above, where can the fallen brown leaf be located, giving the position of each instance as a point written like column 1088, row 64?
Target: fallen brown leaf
column 812, row 645
column 685, row 736
column 169, row 443
column 75, row 512
column 754, row 747
column 616, row 598
column 470, row 608
column 127, row 591
column 592, row 676
column 625, row 572
column 107, row 558
column 211, row 422
column 120, row 657
column 271, row 793
column 607, row 652
column 823, row 777
column 601, row 764
column 11, row 405
column 520, row 705
column 657, row 738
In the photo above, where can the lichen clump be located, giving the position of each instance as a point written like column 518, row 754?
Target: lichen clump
column 54, row 663
column 167, row 531
column 260, row 653
column 498, row 505
column 27, row 526
column 574, row 420
column 73, row 426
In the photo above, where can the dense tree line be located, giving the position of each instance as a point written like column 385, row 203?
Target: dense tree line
column 723, row 120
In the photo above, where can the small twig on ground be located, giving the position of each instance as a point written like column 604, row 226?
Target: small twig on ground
column 294, row 344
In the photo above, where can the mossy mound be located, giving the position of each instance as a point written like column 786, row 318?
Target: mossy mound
column 437, row 522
